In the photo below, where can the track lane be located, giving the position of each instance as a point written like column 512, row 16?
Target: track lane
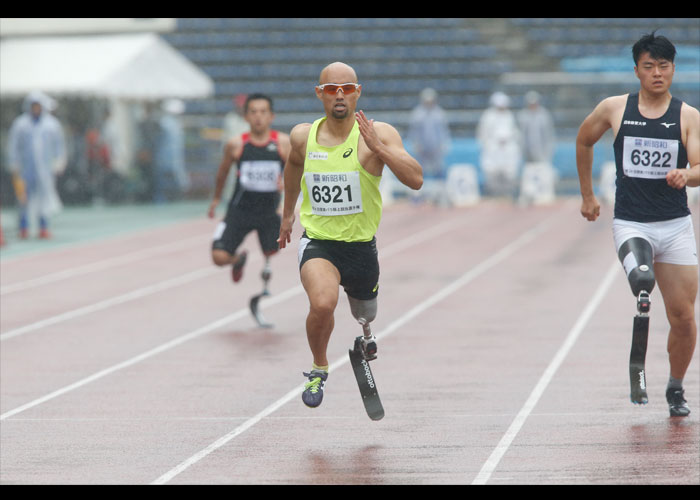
column 166, row 409
column 155, row 324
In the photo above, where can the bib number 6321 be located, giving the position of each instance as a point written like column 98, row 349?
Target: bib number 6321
column 323, row 194
column 334, row 193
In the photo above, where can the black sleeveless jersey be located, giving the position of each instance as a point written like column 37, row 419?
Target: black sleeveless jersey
column 258, row 174
column 645, row 151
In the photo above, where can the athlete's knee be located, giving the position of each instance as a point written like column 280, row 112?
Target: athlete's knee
column 364, row 311
column 323, row 304
column 681, row 316
column 220, row 257
column 636, row 256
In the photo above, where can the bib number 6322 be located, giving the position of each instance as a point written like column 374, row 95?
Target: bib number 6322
column 647, row 158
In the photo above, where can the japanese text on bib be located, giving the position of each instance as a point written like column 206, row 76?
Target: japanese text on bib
column 648, row 158
column 334, row 193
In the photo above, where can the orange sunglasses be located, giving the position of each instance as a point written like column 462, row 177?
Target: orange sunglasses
column 333, row 88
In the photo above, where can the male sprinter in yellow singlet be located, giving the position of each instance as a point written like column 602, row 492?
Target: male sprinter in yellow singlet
column 337, row 163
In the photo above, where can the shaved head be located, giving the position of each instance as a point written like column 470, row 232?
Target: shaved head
column 337, row 72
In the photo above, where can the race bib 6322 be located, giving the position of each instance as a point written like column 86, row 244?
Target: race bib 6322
column 649, row 158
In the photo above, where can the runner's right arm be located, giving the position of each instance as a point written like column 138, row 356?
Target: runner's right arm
column 231, row 152
column 293, row 171
column 591, row 130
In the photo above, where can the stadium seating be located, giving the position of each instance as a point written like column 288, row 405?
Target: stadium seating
column 464, row 59
column 395, row 59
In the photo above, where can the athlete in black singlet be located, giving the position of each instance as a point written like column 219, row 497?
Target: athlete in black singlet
column 646, row 149
column 259, row 156
column 657, row 154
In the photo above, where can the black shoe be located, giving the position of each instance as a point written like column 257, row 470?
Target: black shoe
column 677, row 405
column 237, row 270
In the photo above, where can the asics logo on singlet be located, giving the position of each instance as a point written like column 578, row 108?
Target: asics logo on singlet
column 667, row 125
column 634, row 122
column 347, row 153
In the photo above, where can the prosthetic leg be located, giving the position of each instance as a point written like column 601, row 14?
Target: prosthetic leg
column 363, row 351
column 254, row 309
column 364, row 311
column 637, row 258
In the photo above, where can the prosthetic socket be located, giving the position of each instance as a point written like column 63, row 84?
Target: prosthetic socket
column 637, row 259
column 364, row 311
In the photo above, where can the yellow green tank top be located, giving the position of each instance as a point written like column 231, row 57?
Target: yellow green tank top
column 341, row 200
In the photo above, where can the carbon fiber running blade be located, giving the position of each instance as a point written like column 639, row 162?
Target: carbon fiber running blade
column 257, row 314
column 638, row 352
column 367, row 385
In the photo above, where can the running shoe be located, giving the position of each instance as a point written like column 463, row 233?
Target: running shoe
column 237, row 272
column 313, row 390
column 677, row 405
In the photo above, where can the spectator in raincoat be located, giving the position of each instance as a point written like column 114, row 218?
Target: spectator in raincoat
column 172, row 178
column 429, row 133
column 537, row 125
column 36, row 154
column 499, row 138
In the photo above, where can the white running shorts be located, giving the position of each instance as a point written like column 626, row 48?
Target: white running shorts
column 672, row 241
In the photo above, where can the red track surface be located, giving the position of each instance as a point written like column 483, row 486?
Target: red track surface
column 502, row 360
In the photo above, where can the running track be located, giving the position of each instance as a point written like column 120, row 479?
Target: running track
column 503, row 345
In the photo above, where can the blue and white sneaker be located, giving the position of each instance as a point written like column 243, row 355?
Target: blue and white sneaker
column 313, row 390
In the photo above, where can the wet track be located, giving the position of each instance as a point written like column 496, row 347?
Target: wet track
column 504, row 336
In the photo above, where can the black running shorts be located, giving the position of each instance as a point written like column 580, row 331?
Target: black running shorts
column 357, row 263
column 231, row 232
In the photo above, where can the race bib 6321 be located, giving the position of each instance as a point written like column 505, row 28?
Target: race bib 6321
column 336, row 193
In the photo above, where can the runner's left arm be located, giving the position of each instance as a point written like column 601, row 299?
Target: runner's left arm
column 678, row 178
column 386, row 143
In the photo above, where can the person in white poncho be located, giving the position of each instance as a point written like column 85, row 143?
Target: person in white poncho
column 36, row 154
column 499, row 137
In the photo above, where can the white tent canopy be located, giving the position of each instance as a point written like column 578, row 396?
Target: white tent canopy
column 132, row 66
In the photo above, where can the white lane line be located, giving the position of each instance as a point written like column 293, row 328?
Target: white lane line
column 104, row 304
column 173, row 282
column 505, row 442
column 465, row 278
column 129, row 362
column 275, row 299
column 100, row 265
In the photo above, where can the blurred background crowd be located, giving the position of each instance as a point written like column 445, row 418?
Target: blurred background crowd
column 143, row 106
